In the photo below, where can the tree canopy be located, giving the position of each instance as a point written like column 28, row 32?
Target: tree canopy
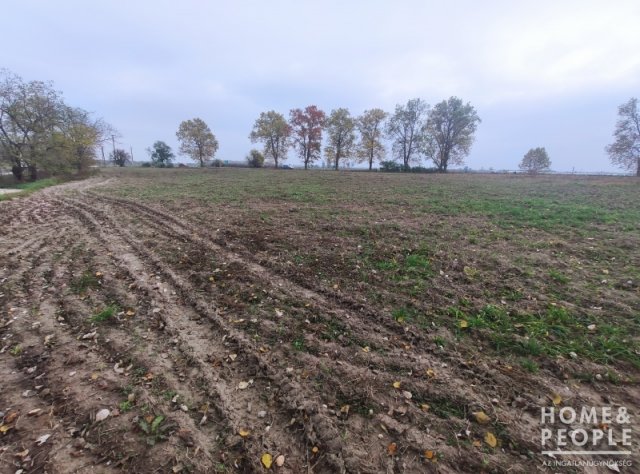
column 272, row 129
column 449, row 132
column 406, row 130
column 161, row 155
column 340, row 135
column 306, row 132
column 535, row 160
column 197, row 141
column 370, row 126
column 625, row 150
column 39, row 131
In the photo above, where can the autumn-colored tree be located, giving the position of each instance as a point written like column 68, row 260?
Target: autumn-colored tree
column 341, row 136
column 306, row 132
column 625, row 150
column 450, row 129
column 370, row 126
column 535, row 160
column 406, row 128
column 38, row 131
column 197, row 141
column 272, row 129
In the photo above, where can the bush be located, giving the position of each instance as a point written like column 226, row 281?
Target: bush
column 217, row 163
column 255, row 159
column 390, row 166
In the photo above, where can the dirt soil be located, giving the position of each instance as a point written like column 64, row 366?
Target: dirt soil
column 110, row 307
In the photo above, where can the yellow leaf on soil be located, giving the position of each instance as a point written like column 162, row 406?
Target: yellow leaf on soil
column 481, row 417
column 429, row 454
column 4, row 429
column 431, row 373
column 557, row 399
column 396, row 384
column 267, row 460
column 477, row 443
column 243, row 433
column 490, row 439
column 463, row 324
column 345, row 409
column 315, row 450
column 365, row 349
column 424, row 407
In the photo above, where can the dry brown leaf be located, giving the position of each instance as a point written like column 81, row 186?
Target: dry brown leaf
column 431, row 373
column 477, row 443
column 424, row 407
column 429, row 454
column 392, row 449
column 11, row 417
column 315, row 450
column 345, row 409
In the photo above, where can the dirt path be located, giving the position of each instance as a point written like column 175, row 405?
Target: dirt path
column 109, row 306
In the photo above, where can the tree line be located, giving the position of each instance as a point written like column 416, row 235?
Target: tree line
column 40, row 132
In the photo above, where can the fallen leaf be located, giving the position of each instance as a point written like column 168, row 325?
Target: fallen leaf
column 243, row 385
column 34, row 412
column 477, row 443
column 424, row 407
column 98, row 274
column 11, row 417
column 481, row 417
column 315, row 450
column 345, row 409
column 23, row 454
column 490, row 439
column 396, row 384
column 280, row 460
column 103, row 414
column 431, row 373
column 117, row 369
column 266, row 460
column 244, row 433
column 42, row 439
column 406, row 394
column 429, row 454
column 5, row 428
column 556, row 399
column 463, row 324
column 233, row 357
column 365, row 349
column 392, row 448
column 130, row 313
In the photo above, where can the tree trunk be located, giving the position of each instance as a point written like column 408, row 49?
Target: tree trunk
column 33, row 173
column 638, row 169
column 17, row 172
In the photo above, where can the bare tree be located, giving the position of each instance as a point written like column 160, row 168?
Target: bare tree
column 341, row 136
column 406, row 128
column 370, row 126
column 625, row 150
column 197, row 141
column 272, row 129
column 120, row 157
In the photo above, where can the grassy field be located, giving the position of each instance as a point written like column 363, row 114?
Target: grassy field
column 230, row 319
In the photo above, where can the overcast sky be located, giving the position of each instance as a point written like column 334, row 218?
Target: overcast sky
column 540, row 73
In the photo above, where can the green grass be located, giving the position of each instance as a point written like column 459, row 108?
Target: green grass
column 106, row 314
column 28, row 188
column 88, row 280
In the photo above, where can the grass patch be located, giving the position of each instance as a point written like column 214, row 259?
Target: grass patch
column 28, row 188
column 88, row 280
column 105, row 315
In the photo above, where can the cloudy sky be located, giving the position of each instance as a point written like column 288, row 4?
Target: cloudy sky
column 540, row 73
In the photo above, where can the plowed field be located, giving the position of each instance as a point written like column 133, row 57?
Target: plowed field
column 336, row 322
